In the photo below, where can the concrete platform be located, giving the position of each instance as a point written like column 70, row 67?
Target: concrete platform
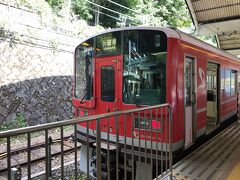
column 218, row 159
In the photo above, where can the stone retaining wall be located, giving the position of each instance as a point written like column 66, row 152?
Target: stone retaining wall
column 36, row 68
column 39, row 101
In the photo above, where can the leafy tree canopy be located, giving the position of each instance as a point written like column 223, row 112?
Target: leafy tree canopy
column 55, row 4
column 163, row 13
column 144, row 12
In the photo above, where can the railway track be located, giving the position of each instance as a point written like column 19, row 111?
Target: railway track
column 19, row 155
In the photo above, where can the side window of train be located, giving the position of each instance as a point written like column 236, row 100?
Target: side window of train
column 223, row 82
column 231, row 82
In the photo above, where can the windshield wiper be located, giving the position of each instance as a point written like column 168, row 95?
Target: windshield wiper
column 83, row 98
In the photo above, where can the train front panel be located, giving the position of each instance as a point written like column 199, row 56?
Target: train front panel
column 122, row 70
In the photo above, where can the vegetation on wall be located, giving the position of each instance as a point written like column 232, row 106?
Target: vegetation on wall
column 10, row 36
column 18, row 122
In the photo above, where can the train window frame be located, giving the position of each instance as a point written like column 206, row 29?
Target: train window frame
column 233, row 89
column 87, row 92
column 142, row 52
column 222, row 81
column 230, row 82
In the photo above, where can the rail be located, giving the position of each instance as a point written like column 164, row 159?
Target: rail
column 117, row 145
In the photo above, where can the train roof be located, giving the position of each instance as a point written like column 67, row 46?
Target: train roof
column 203, row 45
column 175, row 33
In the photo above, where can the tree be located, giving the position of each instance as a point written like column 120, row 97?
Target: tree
column 81, row 9
column 87, row 10
column 110, row 22
column 55, row 4
column 148, row 13
column 163, row 13
column 144, row 12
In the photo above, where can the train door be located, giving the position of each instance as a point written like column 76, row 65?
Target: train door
column 190, row 100
column 108, row 75
column 212, row 96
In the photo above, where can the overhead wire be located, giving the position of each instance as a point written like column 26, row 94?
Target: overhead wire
column 122, row 6
column 110, row 10
column 104, row 14
column 118, row 19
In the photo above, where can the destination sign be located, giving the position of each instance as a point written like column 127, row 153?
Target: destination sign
column 108, row 43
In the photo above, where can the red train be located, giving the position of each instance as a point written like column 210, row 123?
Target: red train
column 140, row 66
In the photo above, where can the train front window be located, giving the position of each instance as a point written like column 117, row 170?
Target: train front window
column 84, row 70
column 144, row 73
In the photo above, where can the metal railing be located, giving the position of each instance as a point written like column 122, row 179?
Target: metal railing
column 131, row 144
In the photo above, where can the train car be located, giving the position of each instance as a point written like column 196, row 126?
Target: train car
column 141, row 66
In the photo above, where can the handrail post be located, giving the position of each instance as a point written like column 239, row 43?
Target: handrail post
column 99, row 168
column 9, row 157
column 49, row 156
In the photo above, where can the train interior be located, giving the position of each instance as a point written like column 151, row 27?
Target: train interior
column 212, row 96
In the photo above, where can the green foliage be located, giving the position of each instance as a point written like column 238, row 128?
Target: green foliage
column 18, row 122
column 55, row 4
column 80, row 8
column 163, row 13
column 85, row 10
column 63, row 20
column 21, row 122
column 5, row 35
column 106, row 21
column 172, row 13
column 82, row 176
column 147, row 12
column 54, row 46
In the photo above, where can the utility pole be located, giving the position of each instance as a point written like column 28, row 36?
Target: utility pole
column 97, row 16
